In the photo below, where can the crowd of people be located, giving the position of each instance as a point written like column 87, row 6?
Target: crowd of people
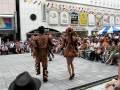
column 14, row 47
column 102, row 48
column 95, row 48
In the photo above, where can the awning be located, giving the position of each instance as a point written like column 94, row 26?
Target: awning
column 109, row 29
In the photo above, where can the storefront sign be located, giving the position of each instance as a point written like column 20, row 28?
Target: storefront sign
column 99, row 19
column 83, row 18
column 112, row 20
column 64, row 18
column 71, row 1
column 6, row 23
column 117, row 20
column 91, row 19
column 74, row 18
column 53, row 18
column 106, row 20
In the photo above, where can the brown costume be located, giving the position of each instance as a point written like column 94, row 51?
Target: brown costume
column 105, row 42
column 70, row 50
column 32, row 45
column 70, row 45
column 41, row 43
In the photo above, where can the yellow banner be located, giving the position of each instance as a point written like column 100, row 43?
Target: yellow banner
column 29, row 1
column 1, row 23
column 83, row 18
column 99, row 20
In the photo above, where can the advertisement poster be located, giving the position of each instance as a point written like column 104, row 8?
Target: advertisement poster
column 112, row 20
column 53, row 18
column 74, row 18
column 99, row 19
column 83, row 18
column 91, row 19
column 6, row 23
column 106, row 20
column 117, row 20
column 64, row 18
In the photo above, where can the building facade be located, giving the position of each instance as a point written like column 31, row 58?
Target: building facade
column 86, row 16
column 7, row 19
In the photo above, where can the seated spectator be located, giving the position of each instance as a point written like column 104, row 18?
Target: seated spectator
column 113, row 54
column 113, row 85
column 25, row 82
column 82, row 48
column 92, row 49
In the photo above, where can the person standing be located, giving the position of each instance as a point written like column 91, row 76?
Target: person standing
column 41, row 43
column 70, row 50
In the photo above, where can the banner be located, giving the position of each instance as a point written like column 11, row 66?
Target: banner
column 112, row 20
column 99, row 19
column 83, row 18
column 64, row 18
column 106, row 20
column 74, row 18
column 53, row 17
column 70, row 1
column 6, row 23
column 117, row 20
column 91, row 19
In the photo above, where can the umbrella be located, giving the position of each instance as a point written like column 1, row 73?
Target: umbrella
column 104, row 30
column 109, row 29
column 113, row 29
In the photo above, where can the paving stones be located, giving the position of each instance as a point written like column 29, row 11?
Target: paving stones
column 86, row 71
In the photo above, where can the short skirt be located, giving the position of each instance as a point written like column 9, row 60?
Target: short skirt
column 70, row 53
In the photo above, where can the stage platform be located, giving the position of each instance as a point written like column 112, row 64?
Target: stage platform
column 85, row 71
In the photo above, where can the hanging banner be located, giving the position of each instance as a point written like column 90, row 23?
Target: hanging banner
column 53, row 18
column 91, row 19
column 74, row 18
column 106, row 20
column 64, row 18
column 117, row 20
column 112, row 20
column 83, row 18
column 6, row 23
column 99, row 19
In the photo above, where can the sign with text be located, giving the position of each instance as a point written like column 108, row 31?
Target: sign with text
column 6, row 23
column 91, row 19
column 99, row 19
column 117, row 20
column 106, row 20
column 64, row 18
column 83, row 18
column 112, row 20
column 53, row 17
column 74, row 18
column 71, row 1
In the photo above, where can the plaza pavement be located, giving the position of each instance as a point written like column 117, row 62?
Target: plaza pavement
column 85, row 71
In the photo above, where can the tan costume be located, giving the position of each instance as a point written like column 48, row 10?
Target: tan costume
column 105, row 42
column 70, row 50
column 70, row 47
column 40, row 51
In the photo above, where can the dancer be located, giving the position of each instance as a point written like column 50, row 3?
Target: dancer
column 69, row 45
column 41, row 43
